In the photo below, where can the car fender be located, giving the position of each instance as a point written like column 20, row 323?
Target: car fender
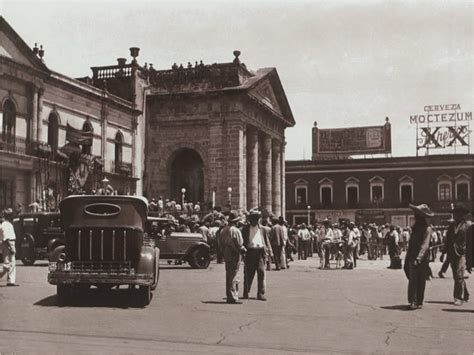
column 54, row 256
column 146, row 263
column 195, row 246
column 54, row 243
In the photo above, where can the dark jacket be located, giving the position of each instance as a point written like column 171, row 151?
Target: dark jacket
column 419, row 244
column 265, row 234
column 277, row 235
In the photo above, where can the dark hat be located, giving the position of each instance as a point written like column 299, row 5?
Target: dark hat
column 303, row 225
column 422, row 210
column 282, row 219
column 254, row 213
column 233, row 217
column 459, row 207
column 326, row 221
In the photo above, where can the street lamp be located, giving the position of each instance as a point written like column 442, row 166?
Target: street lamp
column 309, row 215
column 183, row 192
column 229, row 190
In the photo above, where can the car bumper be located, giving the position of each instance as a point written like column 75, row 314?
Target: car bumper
column 60, row 277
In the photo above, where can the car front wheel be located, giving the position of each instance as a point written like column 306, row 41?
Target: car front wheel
column 200, row 258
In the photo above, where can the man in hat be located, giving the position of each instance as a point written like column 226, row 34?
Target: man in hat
column 416, row 260
column 257, row 243
column 304, row 236
column 277, row 240
column 232, row 248
column 7, row 239
column 458, row 238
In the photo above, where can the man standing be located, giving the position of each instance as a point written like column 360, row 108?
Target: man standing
column 7, row 238
column 232, row 247
column 257, row 242
column 304, row 236
column 416, row 260
column 277, row 238
column 327, row 239
column 457, row 239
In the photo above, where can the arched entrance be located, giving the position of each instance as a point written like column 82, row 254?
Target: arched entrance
column 187, row 170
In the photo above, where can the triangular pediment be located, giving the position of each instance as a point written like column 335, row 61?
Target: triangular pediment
column 266, row 89
column 301, row 182
column 325, row 181
column 13, row 47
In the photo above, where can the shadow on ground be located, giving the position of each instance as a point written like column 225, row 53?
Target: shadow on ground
column 400, row 307
column 458, row 310
column 120, row 298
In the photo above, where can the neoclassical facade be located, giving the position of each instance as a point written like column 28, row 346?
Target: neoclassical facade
column 43, row 113
column 217, row 132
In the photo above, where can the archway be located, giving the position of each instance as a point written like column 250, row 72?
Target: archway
column 187, row 170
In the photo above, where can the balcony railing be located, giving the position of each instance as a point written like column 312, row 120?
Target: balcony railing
column 20, row 145
column 121, row 168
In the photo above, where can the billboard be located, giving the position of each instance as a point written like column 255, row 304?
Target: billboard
column 442, row 126
column 352, row 141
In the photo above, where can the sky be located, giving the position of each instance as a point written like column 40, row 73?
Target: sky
column 341, row 63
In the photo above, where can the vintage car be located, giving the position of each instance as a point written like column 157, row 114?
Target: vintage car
column 179, row 246
column 38, row 234
column 105, row 245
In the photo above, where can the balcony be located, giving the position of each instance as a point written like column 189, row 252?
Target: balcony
column 121, row 168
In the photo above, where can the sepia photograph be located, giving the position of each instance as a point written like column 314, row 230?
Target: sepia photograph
column 236, row 177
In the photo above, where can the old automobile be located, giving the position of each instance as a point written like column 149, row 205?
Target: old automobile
column 38, row 234
column 179, row 246
column 105, row 246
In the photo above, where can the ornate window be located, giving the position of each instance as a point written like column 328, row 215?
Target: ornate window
column 87, row 127
column 352, row 191
column 301, row 192
column 118, row 150
column 377, row 190
column 53, row 130
column 444, row 188
column 8, row 122
column 406, row 189
column 463, row 187
column 325, row 192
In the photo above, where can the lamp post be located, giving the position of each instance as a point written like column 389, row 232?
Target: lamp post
column 309, row 215
column 229, row 190
column 183, row 192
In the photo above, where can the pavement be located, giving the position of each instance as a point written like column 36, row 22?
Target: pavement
column 361, row 311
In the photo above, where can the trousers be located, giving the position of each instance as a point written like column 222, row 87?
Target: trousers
column 277, row 251
column 232, row 266
column 458, row 265
column 417, row 282
column 9, row 262
column 254, row 263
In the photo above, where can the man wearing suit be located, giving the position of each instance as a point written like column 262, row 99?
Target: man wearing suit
column 257, row 242
column 416, row 260
column 277, row 237
column 232, row 244
column 459, row 241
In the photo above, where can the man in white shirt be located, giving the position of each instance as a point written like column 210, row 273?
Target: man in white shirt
column 257, row 242
column 7, row 237
column 327, row 237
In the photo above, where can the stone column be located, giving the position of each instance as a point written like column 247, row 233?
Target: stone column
column 252, row 167
column 283, row 180
column 267, row 173
column 34, row 113
column 39, row 129
column 276, row 176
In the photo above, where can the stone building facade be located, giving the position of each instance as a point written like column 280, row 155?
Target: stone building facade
column 377, row 190
column 218, row 132
column 36, row 107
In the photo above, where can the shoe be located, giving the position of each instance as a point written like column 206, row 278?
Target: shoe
column 245, row 296
column 420, row 306
column 440, row 274
column 262, row 298
column 457, row 302
column 413, row 306
column 12, row 284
